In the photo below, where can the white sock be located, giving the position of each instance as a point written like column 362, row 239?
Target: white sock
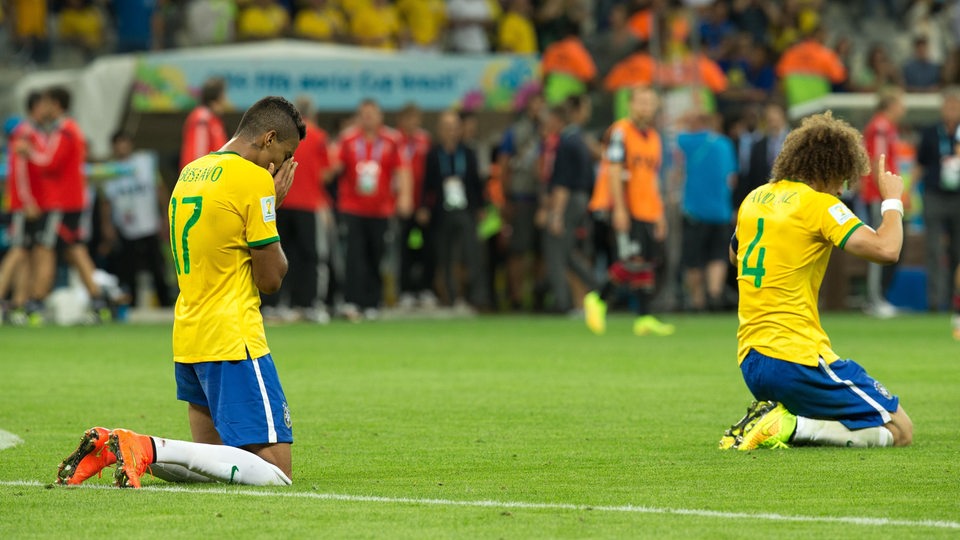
column 222, row 463
column 833, row 433
column 176, row 473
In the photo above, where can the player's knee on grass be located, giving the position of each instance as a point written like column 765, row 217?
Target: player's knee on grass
column 277, row 454
column 901, row 427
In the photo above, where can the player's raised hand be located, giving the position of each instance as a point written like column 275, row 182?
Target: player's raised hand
column 891, row 185
column 283, row 178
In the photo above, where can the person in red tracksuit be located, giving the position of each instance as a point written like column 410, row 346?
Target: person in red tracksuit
column 374, row 185
column 63, row 182
column 298, row 222
column 416, row 254
column 23, row 196
column 203, row 130
column 880, row 137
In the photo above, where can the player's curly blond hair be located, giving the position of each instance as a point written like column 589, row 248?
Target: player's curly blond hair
column 824, row 152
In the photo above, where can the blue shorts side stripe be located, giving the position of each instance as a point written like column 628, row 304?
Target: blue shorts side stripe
column 870, row 401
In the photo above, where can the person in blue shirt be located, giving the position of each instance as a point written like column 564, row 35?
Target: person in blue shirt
column 707, row 167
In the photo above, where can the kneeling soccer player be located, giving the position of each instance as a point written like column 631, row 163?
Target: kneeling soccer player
column 785, row 231
column 226, row 250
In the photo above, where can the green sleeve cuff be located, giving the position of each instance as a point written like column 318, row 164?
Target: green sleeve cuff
column 849, row 233
column 264, row 242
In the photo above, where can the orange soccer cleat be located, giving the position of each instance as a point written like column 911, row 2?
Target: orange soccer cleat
column 134, row 453
column 90, row 458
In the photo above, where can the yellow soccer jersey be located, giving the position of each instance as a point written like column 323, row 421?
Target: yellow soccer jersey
column 221, row 206
column 785, row 232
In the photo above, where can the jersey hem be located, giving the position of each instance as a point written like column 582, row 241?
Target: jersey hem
column 849, row 233
column 265, row 241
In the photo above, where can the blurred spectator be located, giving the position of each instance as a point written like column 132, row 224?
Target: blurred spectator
column 920, row 74
column 299, row 226
column 641, row 18
column 940, row 175
column 808, row 68
column 376, row 25
column 612, row 46
column 749, row 70
column 425, row 21
column 81, row 25
column 765, row 150
column 881, row 138
column 744, row 134
column 319, row 21
column 417, row 249
column 262, row 19
column 552, row 19
column 351, row 7
column 637, row 69
column 135, row 23
column 694, row 70
column 210, row 22
column 30, row 29
column 516, row 34
column 706, row 165
column 568, row 193
column 371, row 162
column 567, row 67
column 469, row 21
column 131, row 211
column 929, row 18
column 753, row 17
column 951, row 69
column 517, row 161
column 168, row 23
column 452, row 200
column 876, row 72
column 203, row 129
column 843, row 48
column 716, row 28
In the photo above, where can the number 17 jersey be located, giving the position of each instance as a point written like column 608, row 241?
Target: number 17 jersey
column 221, row 208
column 785, row 232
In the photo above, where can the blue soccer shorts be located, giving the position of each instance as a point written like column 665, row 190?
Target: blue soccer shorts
column 841, row 390
column 245, row 399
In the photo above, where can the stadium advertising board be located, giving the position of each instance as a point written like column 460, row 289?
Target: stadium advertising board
column 336, row 77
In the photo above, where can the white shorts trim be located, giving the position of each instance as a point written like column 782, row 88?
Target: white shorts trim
column 856, row 390
column 271, row 430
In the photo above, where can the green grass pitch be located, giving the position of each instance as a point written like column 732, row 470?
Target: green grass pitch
column 607, row 437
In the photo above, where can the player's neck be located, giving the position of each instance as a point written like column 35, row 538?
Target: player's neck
column 370, row 134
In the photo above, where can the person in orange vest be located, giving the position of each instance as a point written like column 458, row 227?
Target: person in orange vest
column 811, row 57
column 640, row 68
column 568, row 57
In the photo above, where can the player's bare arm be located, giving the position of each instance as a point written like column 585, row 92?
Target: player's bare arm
column 269, row 267
column 883, row 245
column 621, row 219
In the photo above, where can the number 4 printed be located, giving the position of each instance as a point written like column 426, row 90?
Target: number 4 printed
column 756, row 271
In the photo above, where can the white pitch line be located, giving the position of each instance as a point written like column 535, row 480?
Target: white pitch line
column 515, row 505
column 8, row 440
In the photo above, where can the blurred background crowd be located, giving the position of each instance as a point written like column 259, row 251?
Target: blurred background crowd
column 484, row 227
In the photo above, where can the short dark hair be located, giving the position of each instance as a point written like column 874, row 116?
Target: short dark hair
column 120, row 134
column 273, row 113
column 59, row 94
column 33, row 99
column 212, row 90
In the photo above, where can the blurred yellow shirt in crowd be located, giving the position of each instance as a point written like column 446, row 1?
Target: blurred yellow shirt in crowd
column 258, row 22
column 351, row 7
column 84, row 24
column 517, row 34
column 29, row 18
column 425, row 20
column 376, row 26
column 322, row 25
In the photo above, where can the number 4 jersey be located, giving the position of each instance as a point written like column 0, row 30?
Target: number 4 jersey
column 785, row 232
column 221, row 208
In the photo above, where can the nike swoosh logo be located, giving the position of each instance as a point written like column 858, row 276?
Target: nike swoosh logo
column 233, row 471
